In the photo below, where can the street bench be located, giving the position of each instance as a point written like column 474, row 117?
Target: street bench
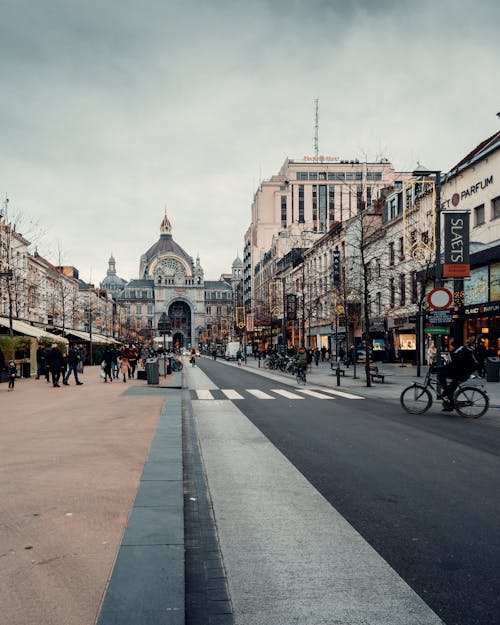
column 334, row 368
column 375, row 373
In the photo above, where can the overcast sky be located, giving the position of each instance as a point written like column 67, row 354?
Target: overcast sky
column 112, row 110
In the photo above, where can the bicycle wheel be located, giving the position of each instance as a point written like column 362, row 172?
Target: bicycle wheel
column 416, row 399
column 471, row 402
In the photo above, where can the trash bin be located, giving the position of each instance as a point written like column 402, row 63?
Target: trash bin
column 26, row 370
column 492, row 369
column 161, row 366
column 152, row 371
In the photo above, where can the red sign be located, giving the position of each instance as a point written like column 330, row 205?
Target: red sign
column 440, row 298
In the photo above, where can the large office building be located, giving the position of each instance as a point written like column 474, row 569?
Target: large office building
column 300, row 204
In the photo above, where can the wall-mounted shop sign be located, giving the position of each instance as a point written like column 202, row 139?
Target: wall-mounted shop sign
column 291, row 307
column 484, row 309
column 465, row 194
column 336, row 267
column 456, row 245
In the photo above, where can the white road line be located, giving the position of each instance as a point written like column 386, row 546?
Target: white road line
column 287, row 394
column 231, row 394
column 204, row 394
column 259, row 394
column 313, row 393
column 340, row 393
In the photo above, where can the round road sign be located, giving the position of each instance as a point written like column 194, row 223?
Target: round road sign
column 440, row 298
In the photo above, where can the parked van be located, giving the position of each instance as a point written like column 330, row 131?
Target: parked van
column 231, row 350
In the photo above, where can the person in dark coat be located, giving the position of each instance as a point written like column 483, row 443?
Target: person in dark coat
column 73, row 361
column 55, row 362
column 480, row 353
column 12, row 373
column 40, row 361
column 108, row 357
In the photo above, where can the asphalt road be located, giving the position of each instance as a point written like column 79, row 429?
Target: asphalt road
column 422, row 491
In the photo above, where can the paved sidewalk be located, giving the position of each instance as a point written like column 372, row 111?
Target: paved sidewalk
column 71, row 463
column 398, row 377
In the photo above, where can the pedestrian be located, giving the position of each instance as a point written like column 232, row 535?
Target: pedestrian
column 431, row 352
column 55, row 363
column 124, row 366
column 107, row 360
column 352, row 355
column 341, row 354
column 114, row 363
column 309, row 358
column 214, row 354
column 72, row 367
column 133, row 360
column 480, row 353
column 239, row 357
column 12, row 373
column 47, row 363
column 40, row 361
column 317, row 353
column 192, row 353
column 323, row 354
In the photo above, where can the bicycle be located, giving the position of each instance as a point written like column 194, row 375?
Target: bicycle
column 301, row 375
column 471, row 402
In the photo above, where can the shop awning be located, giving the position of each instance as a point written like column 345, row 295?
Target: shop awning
column 85, row 336
column 26, row 329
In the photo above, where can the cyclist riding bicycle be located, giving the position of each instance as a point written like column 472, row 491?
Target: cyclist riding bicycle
column 458, row 370
column 301, row 359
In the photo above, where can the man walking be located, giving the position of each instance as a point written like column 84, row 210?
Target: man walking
column 72, row 366
column 55, row 361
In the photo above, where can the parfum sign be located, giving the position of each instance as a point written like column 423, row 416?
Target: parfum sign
column 456, row 245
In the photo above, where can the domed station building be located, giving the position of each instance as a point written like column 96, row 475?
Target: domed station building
column 170, row 282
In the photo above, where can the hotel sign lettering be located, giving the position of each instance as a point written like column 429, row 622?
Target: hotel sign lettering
column 456, row 245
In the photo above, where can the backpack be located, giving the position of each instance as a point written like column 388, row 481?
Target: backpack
column 464, row 361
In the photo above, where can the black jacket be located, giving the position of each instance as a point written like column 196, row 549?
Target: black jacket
column 55, row 359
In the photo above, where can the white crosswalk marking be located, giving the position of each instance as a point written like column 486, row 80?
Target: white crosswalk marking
column 287, row 394
column 313, row 393
column 204, row 394
column 318, row 393
column 340, row 393
column 230, row 394
column 259, row 394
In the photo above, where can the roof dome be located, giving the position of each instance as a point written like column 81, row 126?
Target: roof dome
column 164, row 246
column 237, row 260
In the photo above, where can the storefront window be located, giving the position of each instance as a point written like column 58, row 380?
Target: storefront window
column 476, row 287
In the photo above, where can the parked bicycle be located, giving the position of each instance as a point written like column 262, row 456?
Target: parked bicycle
column 470, row 400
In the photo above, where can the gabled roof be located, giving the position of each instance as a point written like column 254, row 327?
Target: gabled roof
column 477, row 154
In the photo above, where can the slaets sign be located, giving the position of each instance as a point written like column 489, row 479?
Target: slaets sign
column 456, row 245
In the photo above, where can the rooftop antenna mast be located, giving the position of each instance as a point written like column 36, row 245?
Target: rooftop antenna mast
column 316, row 128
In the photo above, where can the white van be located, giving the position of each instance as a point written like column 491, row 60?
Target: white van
column 231, row 350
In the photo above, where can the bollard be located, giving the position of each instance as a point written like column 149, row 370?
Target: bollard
column 338, row 375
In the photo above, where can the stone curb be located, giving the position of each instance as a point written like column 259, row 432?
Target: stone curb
column 147, row 582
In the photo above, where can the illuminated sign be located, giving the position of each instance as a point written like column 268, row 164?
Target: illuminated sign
column 456, row 245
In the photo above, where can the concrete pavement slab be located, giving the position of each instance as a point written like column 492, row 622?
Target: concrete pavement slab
column 71, row 461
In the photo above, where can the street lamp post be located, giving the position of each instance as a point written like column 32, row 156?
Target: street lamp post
column 423, row 172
